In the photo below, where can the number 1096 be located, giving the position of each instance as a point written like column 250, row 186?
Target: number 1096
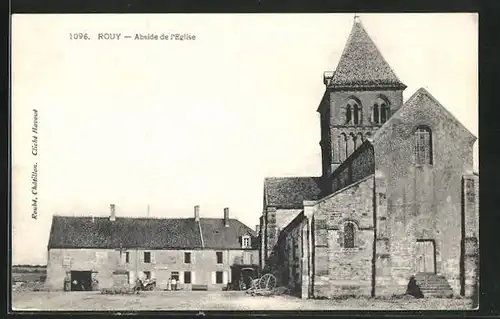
column 79, row 36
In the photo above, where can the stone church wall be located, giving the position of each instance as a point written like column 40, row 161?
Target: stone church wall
column 339, row 270
column 424, row 201
column 360, row 165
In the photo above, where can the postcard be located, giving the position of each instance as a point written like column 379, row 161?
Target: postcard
column 251, row 162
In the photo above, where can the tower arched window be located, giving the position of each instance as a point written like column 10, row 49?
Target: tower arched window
column 423, row 145
column 356, row 114
column 353, row 112
column 375, row 114
column 381, row 111
column 349, row 233
column 348, row 114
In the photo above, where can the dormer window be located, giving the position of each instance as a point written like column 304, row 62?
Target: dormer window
column 246, row 242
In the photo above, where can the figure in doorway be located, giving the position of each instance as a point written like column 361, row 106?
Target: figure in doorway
column 174, row 284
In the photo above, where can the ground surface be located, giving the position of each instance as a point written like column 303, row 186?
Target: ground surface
column 202, row 300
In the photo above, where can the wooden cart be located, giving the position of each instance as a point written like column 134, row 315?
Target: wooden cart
column 263, row 286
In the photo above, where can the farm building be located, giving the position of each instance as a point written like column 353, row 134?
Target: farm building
column 397, row 197
column 94, row 253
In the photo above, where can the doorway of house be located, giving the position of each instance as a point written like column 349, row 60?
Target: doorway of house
column 426, row 256
column 81, row 280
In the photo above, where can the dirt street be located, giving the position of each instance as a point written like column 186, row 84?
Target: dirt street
column 190, row 300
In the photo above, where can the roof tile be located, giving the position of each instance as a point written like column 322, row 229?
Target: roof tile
column 290, row 192
column 361, row 64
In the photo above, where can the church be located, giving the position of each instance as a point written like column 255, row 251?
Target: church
column 397, row 201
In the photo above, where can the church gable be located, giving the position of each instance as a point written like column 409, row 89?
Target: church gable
column 423, row 132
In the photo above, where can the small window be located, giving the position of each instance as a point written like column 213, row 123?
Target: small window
column 127, row 257
column 147, row 257
column 423, row 145
column 187, row 277
column 187, row 258
column 348, row 235
column 246, row 243
column 218, row 277
column 219, row 257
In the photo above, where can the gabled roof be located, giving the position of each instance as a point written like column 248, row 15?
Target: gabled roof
column 415, row 101
column 290, row 192
column 361, row 64
column 152, row 233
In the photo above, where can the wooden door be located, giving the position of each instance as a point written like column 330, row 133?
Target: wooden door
column 425, row 256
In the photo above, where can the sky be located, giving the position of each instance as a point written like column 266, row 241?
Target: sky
column 173, row 124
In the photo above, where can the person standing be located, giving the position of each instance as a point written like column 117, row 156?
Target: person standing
column 169, row 284
column 174, row 284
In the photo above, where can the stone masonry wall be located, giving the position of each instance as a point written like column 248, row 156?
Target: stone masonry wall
column 164, row 263
column 470, row 280
column 277, row 219
column 424, row 201
column 367, row 127
column 339, row 270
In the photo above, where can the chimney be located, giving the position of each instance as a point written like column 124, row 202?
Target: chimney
column 257, row 229
column 112, row 216
column 197, row 213
column 226, row 216
column 327, row 76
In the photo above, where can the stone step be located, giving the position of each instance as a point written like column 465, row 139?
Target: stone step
column 432, row 285
column 439, row 294
column 436, row 289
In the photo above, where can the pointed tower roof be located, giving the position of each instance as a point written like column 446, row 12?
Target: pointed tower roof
column 361, row 64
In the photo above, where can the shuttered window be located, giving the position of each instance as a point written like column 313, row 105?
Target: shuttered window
column 187, row 277
column 187, row 258
column 219, row 277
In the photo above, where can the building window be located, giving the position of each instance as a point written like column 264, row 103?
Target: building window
column 356, row 114
column 127, row 257
column 349, row 235
column 175, row 275
column 353, row 113
column 219, row 257
column 187, row 277
column 246, row 243
column 348, row 114
column 423, row 145
column 218, row 277
column 381, row 111
column 147, row 257
column 187, row 258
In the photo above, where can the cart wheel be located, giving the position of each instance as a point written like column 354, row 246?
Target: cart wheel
column 267, row 282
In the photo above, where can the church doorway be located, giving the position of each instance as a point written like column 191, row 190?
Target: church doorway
column 426, row 256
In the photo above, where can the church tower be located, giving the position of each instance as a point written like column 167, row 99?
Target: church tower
column 360, row 95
